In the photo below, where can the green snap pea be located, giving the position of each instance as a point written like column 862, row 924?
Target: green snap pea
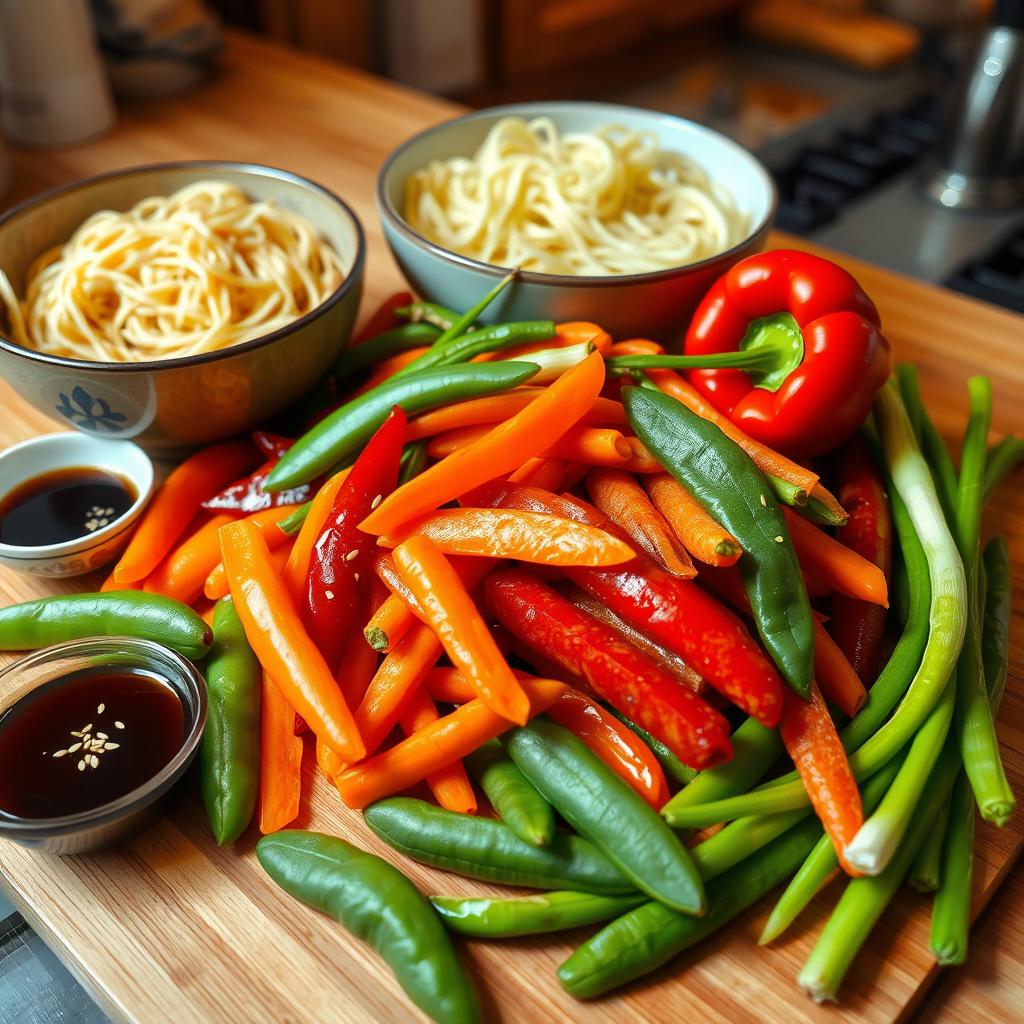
column 486, row 918
column 490, row 851
column 384, row 346
column 413, row 462
column 351, row 425
column 721, row 476
column 670, row 764
column 379, row 904
column 486, row 339
column 134, row 613
column 512, row 795
column 643, row 939
column 229, row 756
column 607, row 811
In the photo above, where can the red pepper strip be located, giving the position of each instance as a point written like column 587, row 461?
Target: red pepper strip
column 339, row 572
column 272, row 445
column 614, row 669
column 858, row 627
column 844, row 360
column 247, row 494
column 674, row 613
column 811, row 740
column 620, row 748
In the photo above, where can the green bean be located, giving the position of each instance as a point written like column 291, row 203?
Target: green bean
column 821, row 862
column 786, row 492
column 1003, row 458
column 384, row 346
column 926, row 871
column 488, row 850
column 428, row 312
column 642, row 940
column 951, row 910
column 134, row 613
column 490, row 918
column 413, row 461
column 350, row 426
column 512, row 795
column 739, row 839
column 670, row 764
column 607, row 811
column 486, row 339
column 379, row 904
column 463, row 321
column 229, row 756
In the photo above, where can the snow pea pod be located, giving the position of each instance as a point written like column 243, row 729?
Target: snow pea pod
column 721, row 476
column 379, row 904
column 488, row 850
column 52, row 620
column 609, row 812
column 486, row 918
column 351, row 425
column 383, row 346
column 229, row 757
column 512, row 795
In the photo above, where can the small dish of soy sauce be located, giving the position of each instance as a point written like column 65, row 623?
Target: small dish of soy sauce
column 68, row 501
column 92, row 734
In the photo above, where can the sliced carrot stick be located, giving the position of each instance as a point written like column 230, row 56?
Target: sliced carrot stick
column 329, row 761
column 388, row 624
column 624, row 501
column 216, row 585
column 605, row 412
column 470, row 570
column 177, row 501
column 184, row 569
column 387, row 368
column 509, row 533
column 811, row 740
column 835, row 675
column 450, row 785
column 435, row 746
column 302, row 550
column 280, row 761
column 266, row 520
column 448, row 609
column 696, row 530
column 620, row 748
column 283, row 646
column 110, row 584
column 640, row 459
column 539, row 472
column 400, row 673
column 448, row 685
column 529, row 432
column 834, row 563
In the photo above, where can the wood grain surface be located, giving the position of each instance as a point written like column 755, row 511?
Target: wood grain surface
column 171, row 928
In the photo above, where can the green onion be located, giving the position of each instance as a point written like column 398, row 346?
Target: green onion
column 926, row 871
column 820, row 863
column 463, row 322
column 739, row 839
column 787, row 493
column 553, row 362
column 428, row 312
column 1003, row 458
column 466, row 347
column 951, row 911
column 995, row 634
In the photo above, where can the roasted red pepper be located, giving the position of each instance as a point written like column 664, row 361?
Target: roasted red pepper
column 857, row 626
column 809, row 338
column 337, row 583
column 675, row 613
column 613, row 669
column 248, row 495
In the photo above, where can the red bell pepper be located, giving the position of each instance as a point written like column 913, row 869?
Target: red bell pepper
column 674, row 613
column 858, row 627
column 614, row 670
column 338, row 578
column 248, row 494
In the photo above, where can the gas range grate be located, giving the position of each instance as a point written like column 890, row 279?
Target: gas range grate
column 998, row 276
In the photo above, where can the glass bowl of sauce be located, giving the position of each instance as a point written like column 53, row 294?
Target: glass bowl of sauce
column 68, row 502
column 92, row 734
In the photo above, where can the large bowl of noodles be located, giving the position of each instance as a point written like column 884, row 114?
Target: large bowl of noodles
column 613, row 214
column 207, row 382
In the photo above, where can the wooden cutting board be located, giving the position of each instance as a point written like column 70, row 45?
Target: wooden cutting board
column 171, row 928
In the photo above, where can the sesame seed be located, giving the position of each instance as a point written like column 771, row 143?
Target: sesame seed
column 94, row 761
column 111, row 746
column 764, row 504
column 86, row 728
column 329, row 594
column 101, row 708
column 779, row 540
column 101, row 735
column 74, row 733
column 119, row 725
column 354, row 553
column 376, row 501
column 81, row 765
column 74, row 747
column 61, row 753
column 355, row 576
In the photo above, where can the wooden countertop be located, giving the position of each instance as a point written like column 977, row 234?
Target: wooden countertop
column 272, row 105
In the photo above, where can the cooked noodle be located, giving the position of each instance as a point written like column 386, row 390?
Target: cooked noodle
column 193, row 272
column 608, row 202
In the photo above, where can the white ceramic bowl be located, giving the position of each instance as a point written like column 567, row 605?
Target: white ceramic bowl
column 654, row 305
column 49, row 452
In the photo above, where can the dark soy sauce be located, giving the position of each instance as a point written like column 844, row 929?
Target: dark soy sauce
column 63, row 505
column 86, row 739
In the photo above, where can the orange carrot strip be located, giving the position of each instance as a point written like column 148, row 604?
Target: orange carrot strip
column 509, row 533
column 435, row 746
column 280, row 761
column 605, row 412
column 696, row 530
column 398, row 676
column 529, row 432
column 470, row 570
column 539, row 472
column 811, row 740
column 448, row 685
column 219, row 587
column 302, row 550
column 265, row 520
column 449, row 610
column 834, row 563
column 183, row 571
column 835, row 675
column 570, row 333
column 624, row 501
column 387, row 368
column 388, row 624
column 177, row 501
column 283, row 646
column 592, row 446
column 450, row 785
column 110, row 584
column 620, row 748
